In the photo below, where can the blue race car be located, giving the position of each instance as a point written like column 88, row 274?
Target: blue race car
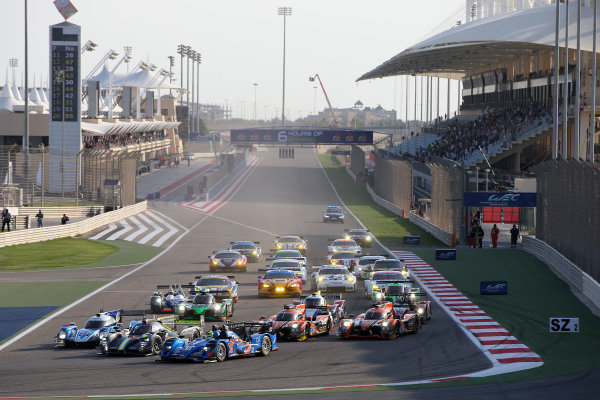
column 232, row 340
column 89, row 336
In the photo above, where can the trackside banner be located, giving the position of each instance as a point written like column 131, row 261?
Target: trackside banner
column 299, row 136
column 480, row 199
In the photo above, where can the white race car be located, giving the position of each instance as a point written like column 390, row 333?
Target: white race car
column 381, row 279
column 297, row 266
column 333, row 278
column 364, row 269
column 290, row 242
column 392, row 264
column 339, row 245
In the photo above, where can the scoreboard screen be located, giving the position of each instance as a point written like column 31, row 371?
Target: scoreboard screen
column 65, row 58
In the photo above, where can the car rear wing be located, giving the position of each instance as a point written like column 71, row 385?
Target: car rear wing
column 228, row 276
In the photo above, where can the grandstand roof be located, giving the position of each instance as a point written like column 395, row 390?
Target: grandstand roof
column 122, row 127
column 487, row 42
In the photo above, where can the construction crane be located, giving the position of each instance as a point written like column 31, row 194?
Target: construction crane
column 334, row 124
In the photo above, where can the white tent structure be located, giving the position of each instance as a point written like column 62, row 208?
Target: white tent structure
column 35, row 99
column 103, row 77
column 144, row 79
column 7, row 100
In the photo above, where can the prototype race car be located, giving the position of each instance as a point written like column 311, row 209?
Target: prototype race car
column 292, row 323
column 204, row 307
column 394, row 290
column 343, row 245
column 233, row 340
column 251, row 250
column 279, row 282
column 227, row 260
column 345, row 258
column 90, row 335
column 413, row 303
column 314, row 303
column 379, row 322
column 168, row 301
column 221, row 287
column 334, row 214
column 364, row 269
column 297, row 266
column 381, row 279
column 360, row 236
column 145, row 337
column 291, row 242
column 333, row 278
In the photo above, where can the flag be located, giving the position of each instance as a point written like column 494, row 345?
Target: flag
column 65, row 8
column 38, row 180
column 481, row 150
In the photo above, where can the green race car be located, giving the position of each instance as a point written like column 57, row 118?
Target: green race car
column 395, row 290
column 204, row 307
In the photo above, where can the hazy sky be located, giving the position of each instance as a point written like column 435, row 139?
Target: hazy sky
column 241, row 43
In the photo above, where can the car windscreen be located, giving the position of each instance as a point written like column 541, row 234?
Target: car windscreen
column 285, row 317
column 243, row 246
column 388, row 264
column 374, row 315
column 342, row 256
column 96, row 324
column 280, row 275
column 333, row 271
column 285, row 264
column 394, row 290
column 140, row 329
column 290, row 240
column 288, row 253
column 227, row 255
column 212, row 282
column 388, row 277
column 357, row 232
column 344, row 243
column 203, row 299
column 367, row 261
column 333, row 210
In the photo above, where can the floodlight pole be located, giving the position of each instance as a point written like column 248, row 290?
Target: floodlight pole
column 566, row 85
column 448, row 101
column 577, row 82
column 415, row 113
column 198, row 59
column 406, row 108
column 593, row 105
column 556, row 74
column 255, row 85
column 192, row 54
column 285, row 11
column 188, row 49
column 421, row 102
column 26, row 88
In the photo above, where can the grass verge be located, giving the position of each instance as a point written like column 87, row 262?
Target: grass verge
column 34, row 294
column 386, row 226
column 534, row 295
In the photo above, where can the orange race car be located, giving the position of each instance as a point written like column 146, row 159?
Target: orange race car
column 380, row 321
column 279, row 282
column 292, row 323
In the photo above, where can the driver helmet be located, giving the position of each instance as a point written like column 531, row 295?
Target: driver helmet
column 170, row 292
column 209, row 335
column 316, row 300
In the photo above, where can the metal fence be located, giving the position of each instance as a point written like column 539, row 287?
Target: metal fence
column 446, row 197
column 50, row 177
column 568, row 213
column 393, row 181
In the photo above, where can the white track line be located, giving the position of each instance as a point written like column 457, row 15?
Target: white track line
column 170, row 219
column 141, row 229
column 165, row 237
column 108, row 230
column 126, row 228
column 157, row 229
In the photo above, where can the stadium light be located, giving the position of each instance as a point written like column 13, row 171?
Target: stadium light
column 88, row 46
column 285, row 12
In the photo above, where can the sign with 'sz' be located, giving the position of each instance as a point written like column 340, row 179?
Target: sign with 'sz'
column 564, row 325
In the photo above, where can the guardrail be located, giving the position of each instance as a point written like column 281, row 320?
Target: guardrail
column 386, row 204
column 439, row 233
column 76, row 228
column 566, row 270
column 57, row 212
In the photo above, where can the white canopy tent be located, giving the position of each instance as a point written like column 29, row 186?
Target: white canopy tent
column 7, row 100
column 103, row 77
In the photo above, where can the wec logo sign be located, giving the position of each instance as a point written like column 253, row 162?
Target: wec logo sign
column 283, row 136
column 505, row 198
column 493, row 287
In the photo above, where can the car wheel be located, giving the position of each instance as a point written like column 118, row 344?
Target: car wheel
column 429, row 313
column 230, row 311
column 155, row 309
column 306, row 334
column 156, row 345
column 417, row 325
column 328, row 328
column 221, row 352
column 265, row 346
column 398, row 331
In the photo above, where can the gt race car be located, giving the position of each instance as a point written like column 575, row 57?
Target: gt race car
column 334, row 214
column 290, row 242
column 379, row 322
column 360, row 236
column 290, row 264
column 145, row 337
column 90, row 335
column 279, row 282
column 365, row 266
column 288, row 255
column 227, row 260
column 221, row 287
column 203, row 307
column 392, row 264
column 343, row 245
column 168, row 301
column 380, row 279
column 333, row 278
column 251, row 250
column 229, row 341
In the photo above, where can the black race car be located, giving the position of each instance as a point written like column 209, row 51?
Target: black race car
column 334, row 214
column 360, row 236
column 251, row 250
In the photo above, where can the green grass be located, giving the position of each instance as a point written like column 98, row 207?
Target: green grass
column 53, row 254
column 534, row 295
column 386, row 226
column 127, row 253
column 35, row 294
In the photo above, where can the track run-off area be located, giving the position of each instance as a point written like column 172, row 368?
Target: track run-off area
column 270, row 197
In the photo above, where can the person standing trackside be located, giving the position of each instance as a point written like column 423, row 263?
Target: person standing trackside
column 40, row 219
column 5, row 219
column 514, row 236
column 64, row 219
column 480, row 235
column 494, row 234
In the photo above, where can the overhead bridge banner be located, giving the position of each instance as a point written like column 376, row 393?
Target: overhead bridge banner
column 299, row 136
column 493, row 199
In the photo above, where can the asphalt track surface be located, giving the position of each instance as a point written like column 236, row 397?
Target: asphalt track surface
column 281, row 196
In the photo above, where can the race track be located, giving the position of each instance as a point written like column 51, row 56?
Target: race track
column 280, row 196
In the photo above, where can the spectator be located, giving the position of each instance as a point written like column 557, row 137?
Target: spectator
column 514, row 236
column 40, row 219
column 189, row 160
column 473, row 237
column 5, row 219
column 494, row 234
column 480, row 235
column 64, row 219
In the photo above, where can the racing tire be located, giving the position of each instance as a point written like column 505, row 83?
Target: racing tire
column 230, row 311
column 306, row 332
column 417, row 326
column 398, row 331
column 155, row 309
column 156, row 345
column 221, row 352
column 328, row 327
column 429, row 314
column 265, row 346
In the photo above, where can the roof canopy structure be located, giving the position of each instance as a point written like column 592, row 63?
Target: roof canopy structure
column 122, row 128
column 144, row 79
column 487, row 42
column 104, row 77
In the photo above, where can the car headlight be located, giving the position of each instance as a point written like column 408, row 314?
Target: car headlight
column 368, row 238
column 379, row 296
column 413, row 296
column 279, row 246
column 300, row 246
column 420, row 311
column 384, row 323
column 360, row 268
column 279, row 289
column 347, row 237
column 295, row 325
column 374, row 286
column 62, row 335
column 217, row 307
column 254, row 252
column 320, row 279
column 334, row 250
column 213, row 261
column 241, row 262
column 404, row 272
column 266, row 285
column 146, row 339
column 347, row 323
column 350, row 278
column 181, row 308
column 167, row 348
